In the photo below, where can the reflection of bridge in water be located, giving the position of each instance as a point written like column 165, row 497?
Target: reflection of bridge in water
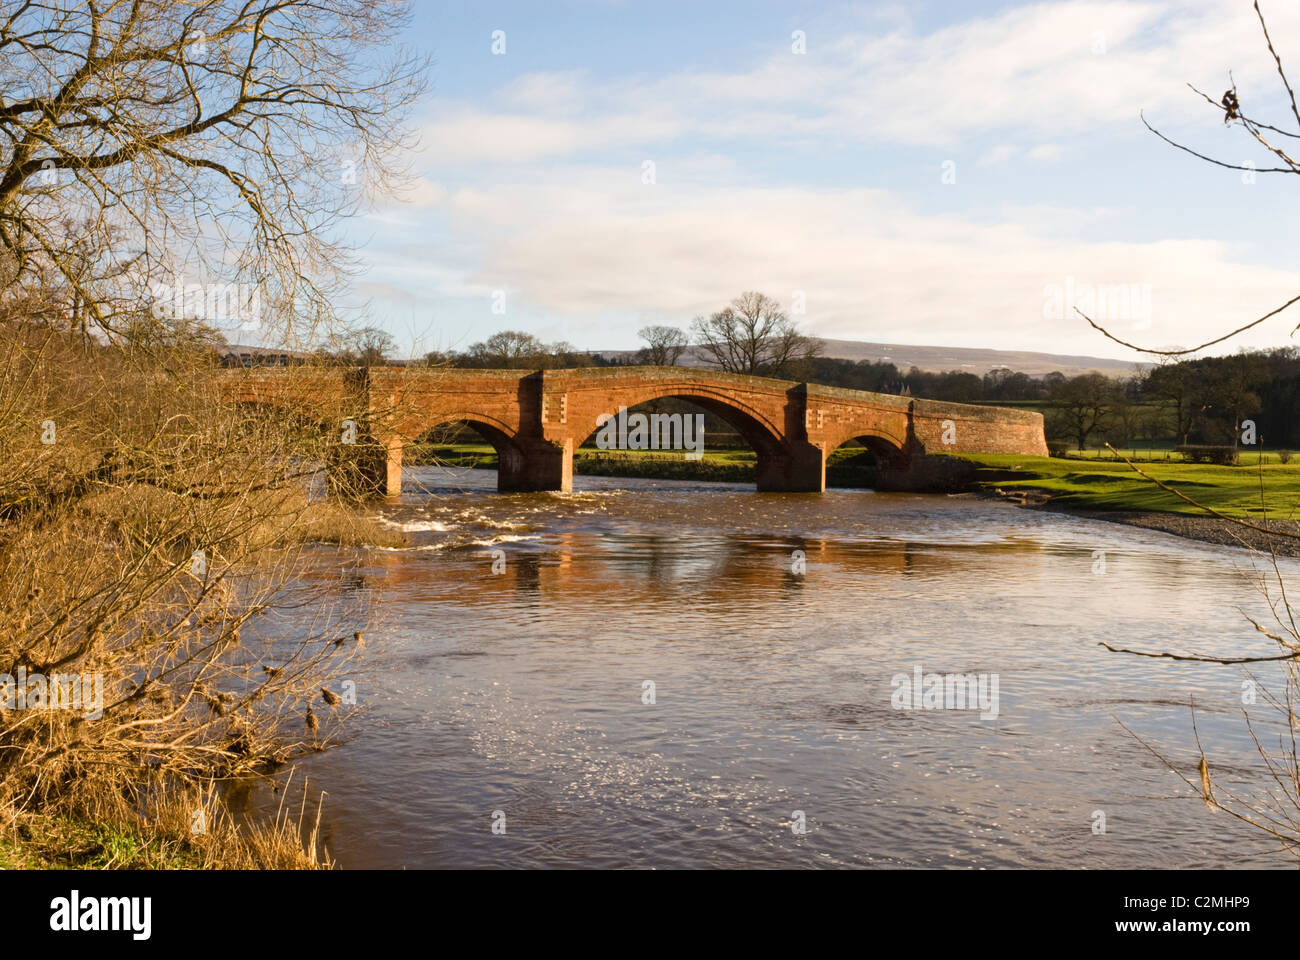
column 536, row 419
column 643, row 571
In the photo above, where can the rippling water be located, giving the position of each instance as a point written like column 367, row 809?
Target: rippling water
column 521, row 692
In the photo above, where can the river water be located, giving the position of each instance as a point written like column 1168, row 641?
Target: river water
column 519, row 697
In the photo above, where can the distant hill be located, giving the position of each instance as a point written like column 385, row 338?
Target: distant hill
column 939, row 359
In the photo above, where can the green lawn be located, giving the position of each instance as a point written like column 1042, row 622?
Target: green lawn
column 471, row 454
column 719, row 465
column 1113, row 485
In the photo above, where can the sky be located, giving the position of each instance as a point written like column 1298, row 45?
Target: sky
column 938, row 173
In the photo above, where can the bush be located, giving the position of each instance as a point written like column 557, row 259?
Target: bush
column 141, row 548
column 1284, row 456
column 1057, row 448
column 1224, row 456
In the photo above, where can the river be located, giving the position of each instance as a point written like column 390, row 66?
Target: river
column 519, row 697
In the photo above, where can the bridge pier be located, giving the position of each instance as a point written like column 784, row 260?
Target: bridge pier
column 370, row 467
column 798, row 470
column 530, row 465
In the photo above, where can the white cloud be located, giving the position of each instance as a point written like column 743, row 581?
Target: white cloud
column 997, row 156
column 586, row 244
column 594, row 244
column 1031, row 68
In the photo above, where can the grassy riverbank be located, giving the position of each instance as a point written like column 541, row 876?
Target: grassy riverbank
column 180, row 831
column 1271, row 488
column 1262, row 497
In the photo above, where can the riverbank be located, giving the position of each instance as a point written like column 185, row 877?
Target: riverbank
column 194, row 832
column 1207, row 529
column 1271, row 535
column 1263, row 496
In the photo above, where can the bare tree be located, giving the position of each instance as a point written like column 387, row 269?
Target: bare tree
column 156, row 142
column 1083, row 405
column 664, row 346
column 366, row 347
column 753, row 336
column 516, row 350
column 1177, row 385
column 509, row 350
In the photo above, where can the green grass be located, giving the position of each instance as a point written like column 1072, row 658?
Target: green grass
column 66, row 843
column 718, row 466
column 1113, row 485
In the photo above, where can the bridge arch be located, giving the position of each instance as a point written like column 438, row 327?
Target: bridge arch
column 494, row 431
column 880, row 444
column 865, row 460
column 753, row 425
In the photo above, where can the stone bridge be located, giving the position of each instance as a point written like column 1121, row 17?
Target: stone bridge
column 536, row 419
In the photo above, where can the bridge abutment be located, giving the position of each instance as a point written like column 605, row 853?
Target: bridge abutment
column 925, row 473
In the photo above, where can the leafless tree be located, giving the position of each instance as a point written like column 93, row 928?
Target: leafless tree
column 364, row 346
column 1083, row 405
column 507, row 350
column 753, row 336
column 149, row 142
column 664, row 345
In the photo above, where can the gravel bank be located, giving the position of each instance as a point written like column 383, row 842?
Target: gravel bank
column 1206, row 529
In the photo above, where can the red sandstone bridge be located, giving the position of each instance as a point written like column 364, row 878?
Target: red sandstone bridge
column 536, row 419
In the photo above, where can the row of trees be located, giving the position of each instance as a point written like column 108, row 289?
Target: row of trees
column 1189, row 401
column 751, row 335
column 1185, row 401
column 514, row 350
column 1182, row 401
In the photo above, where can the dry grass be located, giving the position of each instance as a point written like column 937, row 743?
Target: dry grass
column 151, row 546
column 188, row 830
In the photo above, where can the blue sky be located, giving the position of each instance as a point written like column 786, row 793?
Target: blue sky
column 934, row 173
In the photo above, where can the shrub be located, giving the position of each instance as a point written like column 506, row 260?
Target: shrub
column 1208, row 453
column 140, row 547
